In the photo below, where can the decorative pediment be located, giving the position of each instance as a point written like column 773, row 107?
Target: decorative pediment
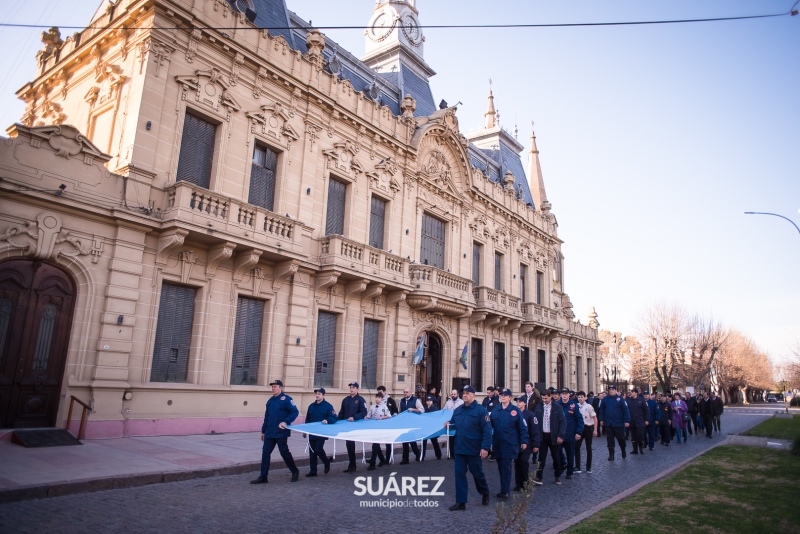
column 272, row 120
column 342, row 158
column 65, row 139
column 46, row 239
column 109, row 78
column 210, row 90
column 437, row 169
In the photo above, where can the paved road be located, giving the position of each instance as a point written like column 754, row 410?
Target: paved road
column 328, row 503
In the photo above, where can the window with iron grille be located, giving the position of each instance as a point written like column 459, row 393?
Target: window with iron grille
column 498, row 271
column 542, row 366
column 500, row 364
column 539, row 286
column 523, row 274
column 377, row 217
column 197, row 151
column 334, row 223
column 369, row 355
column 262, row 177
column 476, row 264
column 476, row 364
column 246, row 342
column 326, row 349
column 432, row 242
column 173, row 334
column 524, row 366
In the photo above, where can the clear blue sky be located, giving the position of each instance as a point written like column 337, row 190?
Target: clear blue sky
column 654, row 139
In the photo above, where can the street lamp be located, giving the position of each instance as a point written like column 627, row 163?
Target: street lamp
column 774, row 215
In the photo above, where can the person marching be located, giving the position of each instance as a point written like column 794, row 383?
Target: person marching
column 279, row 414
column 472, row 441
column 552, row 427
column 509, row 438
column 665, row 409
column 615, row 418
column 522, row 465
column 679, row 410
column 378, row 411
column 653, row 419
column 452, row 403
column 410, row 403
column 589, row 431
column 639, row 411
column 392, row 405
column 431, row 405
column 354, row 408
column 320, row 411
column 574, row 432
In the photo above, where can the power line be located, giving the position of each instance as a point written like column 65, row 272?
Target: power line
column 791, row 12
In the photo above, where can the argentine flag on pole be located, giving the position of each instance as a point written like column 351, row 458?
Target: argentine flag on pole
column 464, row 354
column 419, row 352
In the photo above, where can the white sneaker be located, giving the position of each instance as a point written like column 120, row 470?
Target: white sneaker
column 589, row 471
column 577, row 471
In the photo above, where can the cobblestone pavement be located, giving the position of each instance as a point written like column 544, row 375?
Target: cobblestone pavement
column 328, row 503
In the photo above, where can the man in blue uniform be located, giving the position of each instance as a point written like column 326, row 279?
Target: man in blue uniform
column 574, row 431
column 615, row 418
column 653, row 418
column 522, row 464
column 320, row 411
column 279, row 414
column 472, row 441
column 640, row 420
column 431, row 405
column 552, row 428
column 509, row 438
column 354, row 408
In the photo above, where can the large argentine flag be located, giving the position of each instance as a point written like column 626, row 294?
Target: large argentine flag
column 402, row 428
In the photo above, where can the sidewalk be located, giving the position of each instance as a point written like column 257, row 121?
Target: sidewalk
column 101, row 464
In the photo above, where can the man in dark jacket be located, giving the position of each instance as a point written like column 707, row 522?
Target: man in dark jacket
column 716, row 414
column 552, row 429
column 665, row 409
column 522, row 464
column 691, row 405
column 431, row 406
column 574, row 431
column 615, row 418
column 472, row 440
column 509, row 438
column 279, row 414
column 707, row 413
column 320, row 411
column 410, row 403
column 392, row 405
column 653, row 418
column 638, row 409
column 354, row 408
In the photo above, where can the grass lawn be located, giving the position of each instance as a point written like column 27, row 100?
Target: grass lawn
column 777, row 428
column 728, row 489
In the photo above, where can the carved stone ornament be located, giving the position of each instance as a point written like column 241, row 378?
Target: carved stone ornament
column 342, row 158
column 210, row 90
column 66, row 140
column 52, row 113
column 315, row 42
column 41, row 239
column 272, row 121
column 261, row 82
column 191, row 49
column 109, row 79
column 236, row 67
column 157, row 51
column 436, row 320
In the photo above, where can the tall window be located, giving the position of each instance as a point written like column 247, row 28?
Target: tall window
column 476, row 264
column 524, row 366
column 557, row 267
column 476, row 364
column 334, row 224
column 578, row 372
column 539, row 288
column 500, row 365
column 246, row 342
column 498, row 271
column 326, row 349
column 523, row 274
column 432, row 250
column 262, row 177
column 197, row 151
column 369, row 356
column 541, row 375
column 173, row 334
column 377, row 217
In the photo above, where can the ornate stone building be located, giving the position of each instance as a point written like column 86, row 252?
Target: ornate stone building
column 194, row 205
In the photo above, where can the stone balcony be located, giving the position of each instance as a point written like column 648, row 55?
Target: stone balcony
column 582, row 331
column 435, row 290
column 540, row 320
column 215, row 217
column 351, row 260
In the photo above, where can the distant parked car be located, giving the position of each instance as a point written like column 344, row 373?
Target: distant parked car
column 779, row 396
column 771, row 398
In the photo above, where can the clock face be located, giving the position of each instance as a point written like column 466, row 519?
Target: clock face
column 381, row 26
column 411, row 29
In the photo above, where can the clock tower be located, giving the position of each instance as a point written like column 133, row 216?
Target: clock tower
column 395, row 40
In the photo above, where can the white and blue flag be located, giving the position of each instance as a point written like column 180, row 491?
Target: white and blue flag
column 404, row 427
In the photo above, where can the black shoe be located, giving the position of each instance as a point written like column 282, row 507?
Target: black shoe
column 310, row 475
column 459, row 506
column 634, row 451
column 485, row 500
column 419, row 459
column 381, row 464
column 259, row 480
column 610, row 457
column 351, row 469
column 502, row 495
column 624, row 455
column 404, row 462
column 518, row 488
column 295, row 476
column 558, row 481
column 371, row 468
column 569, row 477
column 537, row 481
column 327, row 469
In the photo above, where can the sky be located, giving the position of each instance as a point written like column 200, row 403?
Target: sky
column 654, row 139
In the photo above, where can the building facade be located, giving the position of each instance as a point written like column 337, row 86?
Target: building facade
column 194, row 205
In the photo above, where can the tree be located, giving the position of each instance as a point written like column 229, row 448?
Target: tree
column 664, row 331
column 741, row 369
column 706, row 338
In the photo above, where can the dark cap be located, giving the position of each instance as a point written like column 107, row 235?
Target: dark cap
column 635, row 390
column 320, row 390
column 353, row 384
column 565, row 390
column 506, row 393
column 612, row 386
column 469, row 389
column 276, row 383
column 431, row 398
column 521, row 398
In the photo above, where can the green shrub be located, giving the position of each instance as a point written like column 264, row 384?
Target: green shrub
column 795, row 401
column 796, row 446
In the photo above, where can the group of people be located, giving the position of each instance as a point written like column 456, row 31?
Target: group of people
column 515, row 432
